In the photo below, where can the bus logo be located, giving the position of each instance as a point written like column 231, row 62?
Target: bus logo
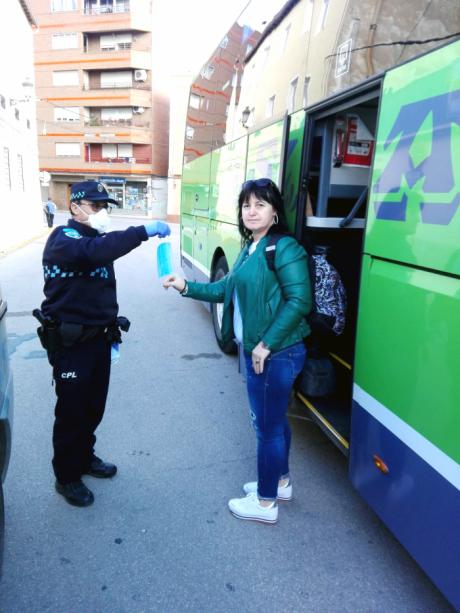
column 440, row 194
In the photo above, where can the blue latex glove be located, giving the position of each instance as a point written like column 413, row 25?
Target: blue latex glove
column 157, row 228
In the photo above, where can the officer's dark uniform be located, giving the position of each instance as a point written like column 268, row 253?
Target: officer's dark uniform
column 81, row 304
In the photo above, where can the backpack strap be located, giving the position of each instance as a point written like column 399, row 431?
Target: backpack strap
column 270, row 250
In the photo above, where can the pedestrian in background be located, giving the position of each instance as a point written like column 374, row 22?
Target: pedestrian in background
column 264, row 310
column 50, row 210
column 80, row 323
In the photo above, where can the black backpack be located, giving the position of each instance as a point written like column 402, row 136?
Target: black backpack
column 329, row 302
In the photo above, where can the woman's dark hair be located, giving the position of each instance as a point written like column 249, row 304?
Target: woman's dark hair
column 263, row 189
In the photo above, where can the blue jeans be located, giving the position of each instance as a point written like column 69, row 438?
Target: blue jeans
column 269, row 395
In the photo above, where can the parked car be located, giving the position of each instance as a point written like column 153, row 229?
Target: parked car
column 6, row 415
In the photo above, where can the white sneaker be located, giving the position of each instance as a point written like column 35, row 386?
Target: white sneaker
column 250, row 508
column 284, row 491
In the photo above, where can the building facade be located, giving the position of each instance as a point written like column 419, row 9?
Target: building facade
column 99, row 116
column 21, row 214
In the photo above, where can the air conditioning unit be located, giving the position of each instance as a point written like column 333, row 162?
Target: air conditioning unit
column 138, row 109
column 140, row 75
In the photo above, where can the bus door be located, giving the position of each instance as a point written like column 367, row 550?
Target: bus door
column 332, row 212
column 405, row 450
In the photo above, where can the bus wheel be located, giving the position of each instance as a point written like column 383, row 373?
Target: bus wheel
column 220, row 270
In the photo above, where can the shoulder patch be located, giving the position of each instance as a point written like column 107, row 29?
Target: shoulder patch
column 71, row 233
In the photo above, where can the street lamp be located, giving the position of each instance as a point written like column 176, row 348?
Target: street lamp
column 245, row 117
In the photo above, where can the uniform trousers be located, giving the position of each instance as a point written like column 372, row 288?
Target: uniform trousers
column 81, row 374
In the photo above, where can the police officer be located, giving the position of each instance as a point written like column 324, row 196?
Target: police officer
column 79, row 317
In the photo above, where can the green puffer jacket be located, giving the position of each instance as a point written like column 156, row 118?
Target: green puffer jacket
column 273, row 305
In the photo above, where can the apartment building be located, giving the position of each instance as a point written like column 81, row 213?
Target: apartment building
column 99, row 116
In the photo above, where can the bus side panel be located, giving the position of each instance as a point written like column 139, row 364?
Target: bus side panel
column 195, row 214
column 414, row 202
column 227, row 175
column 187, row 230
column 418, row 505
column 405, row 414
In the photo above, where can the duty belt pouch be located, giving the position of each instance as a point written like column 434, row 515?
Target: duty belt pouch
column 50, row 341
column 70, row 333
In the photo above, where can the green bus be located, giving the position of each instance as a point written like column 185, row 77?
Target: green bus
column 368, row 171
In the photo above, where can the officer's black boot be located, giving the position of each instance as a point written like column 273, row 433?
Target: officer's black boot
column 76, row 493
column 102, row 470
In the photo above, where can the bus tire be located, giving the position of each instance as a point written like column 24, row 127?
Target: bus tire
column 220, row 270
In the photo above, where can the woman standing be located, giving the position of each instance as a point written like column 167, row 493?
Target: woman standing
column 265, row 311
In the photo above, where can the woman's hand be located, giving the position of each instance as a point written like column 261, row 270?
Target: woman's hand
column 259, row 354
column 174, row 281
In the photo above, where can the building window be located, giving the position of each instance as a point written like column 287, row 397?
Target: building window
column 207, row 71
column 109, row 151
column 125, row 150
column 308, row 16
column 265, row 56
column 112, row 151
column 224, row 42
column 118, row 78
column 285, row 39
column 67, row 113
column 270, row 106
column 65, row 77
column 63, row 5
column 291, row 95
column 16, row 114
column 120, row 114
column 96, row 7
column 2, row 101
column 64, row 41
column 68, row 149
column 116, row 41
column 323, row 15
column 189, row 132
column 20, row 172
column 306, row 85
column 195, row 101
column 28, row 124
column 6, row 172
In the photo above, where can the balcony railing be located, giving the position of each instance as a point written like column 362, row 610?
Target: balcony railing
column 134, row 85
column 117, row 7
column 97, row 122
column 119, row 161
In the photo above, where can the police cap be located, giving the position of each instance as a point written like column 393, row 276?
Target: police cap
column 94, row 191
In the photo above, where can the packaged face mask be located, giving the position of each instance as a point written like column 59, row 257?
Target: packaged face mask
column 100, row 221
column 164, row 259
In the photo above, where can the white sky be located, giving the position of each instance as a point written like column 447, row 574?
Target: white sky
column 187, row 31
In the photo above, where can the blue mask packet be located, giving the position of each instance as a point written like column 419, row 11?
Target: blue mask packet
column 164, row 259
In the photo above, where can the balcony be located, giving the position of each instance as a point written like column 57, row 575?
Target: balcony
column 121, row 161
column 117, row 123
column 105, row 6
column 107, row 15
column 134, row 135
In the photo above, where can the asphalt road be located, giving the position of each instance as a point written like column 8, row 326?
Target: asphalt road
column 159, row 537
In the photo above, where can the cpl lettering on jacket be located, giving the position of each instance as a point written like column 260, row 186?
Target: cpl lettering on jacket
column 69, row 375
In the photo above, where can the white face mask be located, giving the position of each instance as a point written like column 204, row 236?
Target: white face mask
column 99, row 221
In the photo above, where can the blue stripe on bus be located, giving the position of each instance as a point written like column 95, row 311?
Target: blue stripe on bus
column 418, row 505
